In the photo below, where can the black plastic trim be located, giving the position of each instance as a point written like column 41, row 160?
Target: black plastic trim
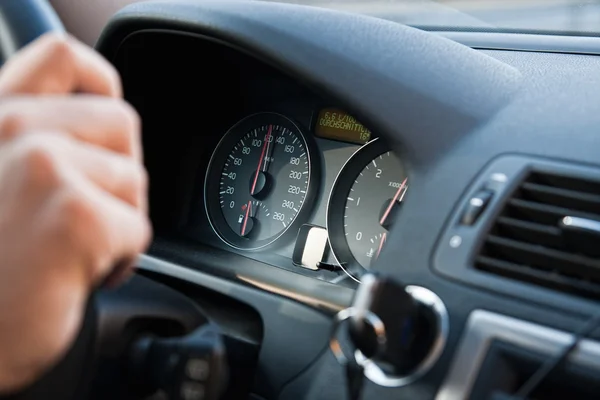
column 454, row 257
column 236, row 269
column 480, row 86
column 282, row 356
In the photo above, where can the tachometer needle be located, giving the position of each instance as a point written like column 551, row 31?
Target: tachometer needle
column 260, row 161
column 393, row 202
column 381, row 243
column 246, row 218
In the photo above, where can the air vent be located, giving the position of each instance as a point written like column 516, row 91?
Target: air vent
column 530, row 242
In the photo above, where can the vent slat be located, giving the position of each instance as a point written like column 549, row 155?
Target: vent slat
column 542, row 278
column 544, row 213
column 565, row 182
column 530, row 232
column 526, row 243
column 565, row 198
column 544, row 258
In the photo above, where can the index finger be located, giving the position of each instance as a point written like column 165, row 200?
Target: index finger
column 58, row 64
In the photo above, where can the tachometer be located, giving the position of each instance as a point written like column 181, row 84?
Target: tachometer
column 258, row 181
column 362, row 206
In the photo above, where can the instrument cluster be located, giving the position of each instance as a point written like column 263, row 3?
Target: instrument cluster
column 264, row 180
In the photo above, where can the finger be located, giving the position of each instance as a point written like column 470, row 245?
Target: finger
column 127, row 233
column 120, row 273
column 120, row 176
column 115, row 174
column 100, row 121
column 107, row 229
column 59, row 64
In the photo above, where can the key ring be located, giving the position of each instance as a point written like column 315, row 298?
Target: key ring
column 375, row 322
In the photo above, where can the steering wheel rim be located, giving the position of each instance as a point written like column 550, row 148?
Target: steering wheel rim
column 22, row 21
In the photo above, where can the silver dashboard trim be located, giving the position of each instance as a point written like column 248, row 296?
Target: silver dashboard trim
column 337, row 177
column 227, row 287
column 483, row 327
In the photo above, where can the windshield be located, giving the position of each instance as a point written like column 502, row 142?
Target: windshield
column 575, row 17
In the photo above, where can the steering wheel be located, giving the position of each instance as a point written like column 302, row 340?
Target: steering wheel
column 22, row 21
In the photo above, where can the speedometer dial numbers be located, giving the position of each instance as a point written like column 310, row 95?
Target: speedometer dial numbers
column 264, row 182
column 364, row 201
column 258, row 181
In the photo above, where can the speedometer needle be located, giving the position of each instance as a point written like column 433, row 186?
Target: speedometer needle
column 246, row 217
column 394, row 200
column 260, row 161
column 381, row 243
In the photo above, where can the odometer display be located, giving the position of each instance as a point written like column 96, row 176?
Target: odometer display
column 258, row 180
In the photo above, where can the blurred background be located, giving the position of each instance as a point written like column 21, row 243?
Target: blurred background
column 569, row 17
column 565, row 16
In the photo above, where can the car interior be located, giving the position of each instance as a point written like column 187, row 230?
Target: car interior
column 345, row 206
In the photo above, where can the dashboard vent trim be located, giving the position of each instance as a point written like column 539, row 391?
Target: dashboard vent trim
column 528, row 240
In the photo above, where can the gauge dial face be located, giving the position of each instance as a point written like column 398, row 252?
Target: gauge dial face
column 371, row 205
column 258, row 181
column 363, row 204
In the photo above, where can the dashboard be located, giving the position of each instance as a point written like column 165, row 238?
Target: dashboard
column 281, row 206
column 476, row 167
column 283, row 175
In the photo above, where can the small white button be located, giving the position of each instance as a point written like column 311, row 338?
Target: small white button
column 197, row 369
column 499, row 177
column 455, row 241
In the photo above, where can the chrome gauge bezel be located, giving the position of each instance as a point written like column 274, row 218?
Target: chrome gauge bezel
column 215, row 166
column 337, row 201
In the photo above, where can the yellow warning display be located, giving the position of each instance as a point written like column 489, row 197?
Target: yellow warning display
column 335, row 124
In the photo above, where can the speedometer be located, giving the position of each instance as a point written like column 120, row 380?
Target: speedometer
column 365, row 197
column 258, row 181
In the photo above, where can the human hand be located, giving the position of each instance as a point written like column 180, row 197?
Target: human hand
column 72, row 198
